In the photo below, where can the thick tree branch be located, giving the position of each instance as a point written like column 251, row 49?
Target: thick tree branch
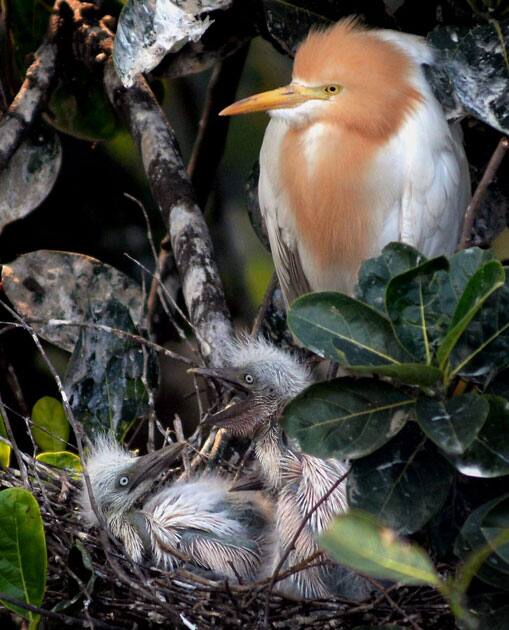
column 172, row 190
column 207, row 153
column 29, row 101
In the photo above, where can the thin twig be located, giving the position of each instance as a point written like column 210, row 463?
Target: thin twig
column 14, row 446
column 301, row 527
column 487, row 178
column 62, row 618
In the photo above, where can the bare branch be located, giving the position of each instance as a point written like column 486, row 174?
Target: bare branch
column 29, row 101
column 207, row 153
column 480, row 191
column 172, row 190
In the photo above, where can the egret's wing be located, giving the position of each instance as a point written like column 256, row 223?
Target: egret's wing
column 437, row 188
column 278, row 220
column 234, row 558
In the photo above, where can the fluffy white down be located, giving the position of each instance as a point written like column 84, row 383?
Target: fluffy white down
column 272, row 365
column 106, row 458
column 197, row 506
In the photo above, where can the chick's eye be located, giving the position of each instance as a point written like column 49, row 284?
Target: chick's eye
column 248, row 379
column 123, row 481
column 331, row 89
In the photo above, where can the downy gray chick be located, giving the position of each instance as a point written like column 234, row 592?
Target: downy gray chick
column 268, row 378
column 197, row 522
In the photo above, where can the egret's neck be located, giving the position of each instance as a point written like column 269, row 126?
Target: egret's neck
column 270, row 451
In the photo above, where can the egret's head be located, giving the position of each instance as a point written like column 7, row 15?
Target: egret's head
column 344, row 74
column 119, row 479
column 266, row 378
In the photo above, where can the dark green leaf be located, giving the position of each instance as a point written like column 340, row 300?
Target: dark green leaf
column 30, row 175
column 496, row 620
column 376, row 273
column 404, row 483
column 409, row 373
column 347, row 418
column 46, row 286
column 28, row 22
column 452, row 424
column 500, row 385
column 343, row 329
column 81, row 109
column 462, row 266
column 471, row 539
column 481, row 285
column 488, row 455
column 23, row 558
column 412, row 303
column 50, row 426
column 359, row 542
column 495, row 523
column 104, row 379
column 483, row 349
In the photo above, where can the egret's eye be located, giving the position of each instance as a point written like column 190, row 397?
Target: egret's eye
column 123, row 481
column 332, row 89
column 248, row 379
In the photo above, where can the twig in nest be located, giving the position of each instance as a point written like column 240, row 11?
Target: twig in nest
column 480, row 191
column 62, row 618
column 13, row 445
column 288, row 550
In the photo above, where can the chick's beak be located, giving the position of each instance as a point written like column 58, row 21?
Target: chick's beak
column 225, row 375
column 149, row 467
column 288, row 96
column 237, row 418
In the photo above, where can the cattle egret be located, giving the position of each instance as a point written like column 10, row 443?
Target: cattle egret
column 269, row 378
column 358, row 153
column 197, row 522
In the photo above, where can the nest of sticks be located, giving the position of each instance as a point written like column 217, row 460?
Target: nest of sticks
column 92, row 584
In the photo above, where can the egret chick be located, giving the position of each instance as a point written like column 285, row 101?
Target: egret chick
column 268, row 377
column 198, row 522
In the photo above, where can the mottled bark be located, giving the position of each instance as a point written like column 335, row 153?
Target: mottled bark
column 172, row 190
column 28, row 103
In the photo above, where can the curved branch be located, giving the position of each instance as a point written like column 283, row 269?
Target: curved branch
column 172, row 191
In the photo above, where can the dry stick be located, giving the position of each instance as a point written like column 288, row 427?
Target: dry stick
column 288, row 550
column 173, row 193
column 480, row 191
column 116, row 331
column 32, row 96
column 14, row 446
column 393, row 604
column 62, row 618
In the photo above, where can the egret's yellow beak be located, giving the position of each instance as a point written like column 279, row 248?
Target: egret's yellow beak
column 288, row 96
